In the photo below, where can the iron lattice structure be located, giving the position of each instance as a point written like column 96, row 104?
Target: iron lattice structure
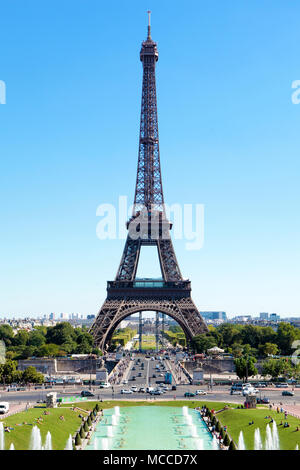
column 148, row 226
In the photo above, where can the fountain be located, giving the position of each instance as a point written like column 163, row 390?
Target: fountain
column 215, row 444
column 69, row 444
column 1, row 436
column 241, row 443
column 114, row 420
column 199, row 444
column 275, row 436
column 189, row 420
column 36, row 439
column 48, row 443
column 257, row 440
column 269, row 439
column 117, row 410
column 109, row 431
column 104, row 443
column 12, row 447
column 297, row 447
column 193, row 430
column 185, row 411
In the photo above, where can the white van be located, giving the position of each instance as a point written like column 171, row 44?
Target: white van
column 4, row 407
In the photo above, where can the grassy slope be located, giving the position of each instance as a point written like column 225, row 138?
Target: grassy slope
column 109, row 404
column 238, row 420
column 59, row 429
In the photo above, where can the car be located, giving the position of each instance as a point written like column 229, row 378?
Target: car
column 133, row 368
column 154, row 376
column 142, row 390
column 262, row 401
column 235, row 392
column 201, row 392
column 125, row 391
column 134, row 388
column 4, row 407
column 87, row 393
column 155, row 392
column 174, row 387
column 105, row 385
column 287, row 393
column 125, row 382
column 189, row 394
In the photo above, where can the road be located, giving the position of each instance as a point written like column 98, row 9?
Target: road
column 145, row 377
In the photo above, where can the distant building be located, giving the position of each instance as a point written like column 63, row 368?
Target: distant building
column 274, row 317
column 214, row 315
column 52, row 316
column 264, row 316
column 64, row 316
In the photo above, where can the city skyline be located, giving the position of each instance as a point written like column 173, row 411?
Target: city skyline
column 229, row 144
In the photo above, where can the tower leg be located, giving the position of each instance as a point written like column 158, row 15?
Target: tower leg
column 157, row 330
column 140, row 331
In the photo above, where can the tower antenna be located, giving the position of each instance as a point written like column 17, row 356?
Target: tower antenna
column 149, row 24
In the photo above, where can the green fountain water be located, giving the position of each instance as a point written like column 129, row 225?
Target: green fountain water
column 151, row 428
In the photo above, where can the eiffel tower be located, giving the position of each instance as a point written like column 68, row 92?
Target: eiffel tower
column 148, row 225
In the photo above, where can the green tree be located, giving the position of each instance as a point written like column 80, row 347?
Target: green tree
column 245, row 367
column 270, row 349
column 6, row 334
column 21, row 338
column 201, row 343
column 7, row 372
column 31, row 375
column 286, row 334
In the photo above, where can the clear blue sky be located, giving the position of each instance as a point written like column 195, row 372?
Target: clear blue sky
column 229, row 138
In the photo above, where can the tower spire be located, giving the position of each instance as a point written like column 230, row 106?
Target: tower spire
column 149, row 24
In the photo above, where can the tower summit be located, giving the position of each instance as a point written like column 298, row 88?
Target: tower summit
column 148, row 226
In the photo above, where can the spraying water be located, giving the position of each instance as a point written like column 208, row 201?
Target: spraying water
column 1, row 436
column 117, row 410
column 36, row 439
column 257, row 440
column 269, row 439
column 109, row 431
column 48, row 443
column 199, row 444
column 275, row 437
column 193, row 431
column 185, row 411
column 241, row 443
column 189, row 420
column 215, row 444
column 69, row 445
column 114, row 420
column 12, row 447
column 104, row 443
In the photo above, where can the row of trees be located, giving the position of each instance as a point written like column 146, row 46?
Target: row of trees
column 262, row 341
column 53, row 341
column 9, row 374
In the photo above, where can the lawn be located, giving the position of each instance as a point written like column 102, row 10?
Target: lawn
column 23, row 423
column 238, row 420
column 148, row 342
column 89, row 405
